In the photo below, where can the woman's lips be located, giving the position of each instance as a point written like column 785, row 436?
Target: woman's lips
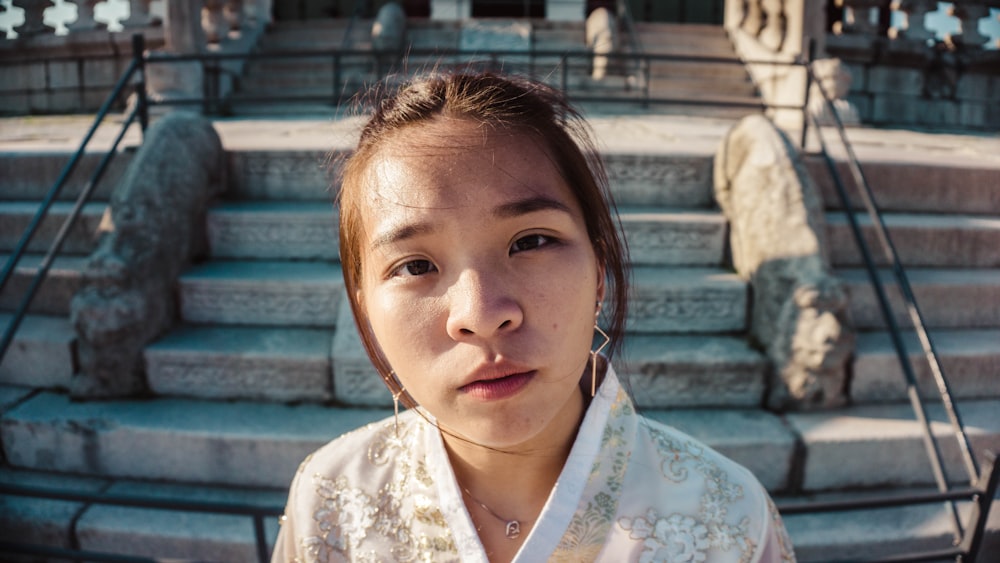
column 500, row 388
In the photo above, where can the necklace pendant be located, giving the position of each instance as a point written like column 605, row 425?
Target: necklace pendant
column 513, row 529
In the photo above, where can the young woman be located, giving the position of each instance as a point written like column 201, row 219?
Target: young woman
column 478, row 248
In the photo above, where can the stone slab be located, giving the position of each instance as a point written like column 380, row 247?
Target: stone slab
column 42, row 353
column 275, row 364
column 270, row 229
column 261, row 292
column 174, row 534
column 28, row 174
column 674, row 237
column 957, row 182
column 56, row 291
column 968, row 241
column 355, row 380
column 660, row 180
column 756, row 439
column 42, row 522
column 866, row 534
column 16, row 216
column 882, row 445
column 686, row 300
column 294, row 174
column 970, row 360
column 948, row 298
column 181, row 440
column 693, row 371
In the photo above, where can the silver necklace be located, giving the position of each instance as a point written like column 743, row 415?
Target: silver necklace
column 513, row 527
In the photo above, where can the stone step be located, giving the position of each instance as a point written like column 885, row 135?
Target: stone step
column 700, row 86
column 261, row 293
column 686, row 300
column 675, row 179
column 42, row 353
column 273, row 229
column 948, row 298
column 674, row 236
column 878, row 446
column 29, row 175
column 178, row 440
column 970, row 360
column 939, row 240
column 55, row 293
column 667, row 68
column 876, row 533
column 16, row 216
column 230, row 362
column 902, row 185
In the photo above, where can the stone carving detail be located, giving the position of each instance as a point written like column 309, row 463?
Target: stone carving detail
column 836, row 82
column 799, row 309
column 705, row 309
column 313, row 305
column 152, row 232
column 248, row 379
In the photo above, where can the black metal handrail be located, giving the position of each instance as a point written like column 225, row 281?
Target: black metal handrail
column 984, row 482
column 136, row 67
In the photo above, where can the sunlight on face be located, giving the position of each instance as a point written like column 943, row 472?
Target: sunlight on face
column 480, row 281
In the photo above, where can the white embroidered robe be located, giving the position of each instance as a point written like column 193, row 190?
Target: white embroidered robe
column 631, row 490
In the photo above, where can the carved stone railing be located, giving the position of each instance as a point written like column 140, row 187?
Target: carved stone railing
column 71, row 65
column 897, row 64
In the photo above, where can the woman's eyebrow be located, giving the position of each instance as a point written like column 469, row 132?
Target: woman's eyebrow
column 529, row 205
column 400, row 233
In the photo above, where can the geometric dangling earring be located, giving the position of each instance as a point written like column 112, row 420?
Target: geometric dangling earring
column 395, row 408
column 594, row 353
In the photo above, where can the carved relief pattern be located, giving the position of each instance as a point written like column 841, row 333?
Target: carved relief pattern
column 301, row 305
column 715, row 309
column 240, row 379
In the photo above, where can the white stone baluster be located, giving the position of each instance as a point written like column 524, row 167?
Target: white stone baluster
column 234, row 14
column 139, row 15
column 916, row 13
column 212, row 21
column 969, row 13
column 85, row 16
column 773, row 34
column 858, row 16
column 34, row 17
column 753, row 22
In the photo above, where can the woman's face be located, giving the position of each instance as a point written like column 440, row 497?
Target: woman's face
column 480, row 281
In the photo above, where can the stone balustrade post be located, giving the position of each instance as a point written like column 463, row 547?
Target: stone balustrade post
column 213, row 22
column 858, row 16
column 969, row 14
column 916, row 11
column 773, row 34
column 753, row 21
column 34, row 17
column 85, row 16
column 139, row 14
column 233, row 13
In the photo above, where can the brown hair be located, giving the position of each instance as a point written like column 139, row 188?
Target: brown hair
column 507, row 103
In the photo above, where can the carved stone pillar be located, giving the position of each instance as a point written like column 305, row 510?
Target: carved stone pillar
column 916, row 11
column 753, row 22
column 34, row 17
column 233, row 13
column 213, row 23
column 139, row 15
column 773, row 34
column 969, row 14
column 85, row 16
column 858, row 17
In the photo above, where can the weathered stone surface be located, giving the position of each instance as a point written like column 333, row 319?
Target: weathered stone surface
column 948, row 298
column 42, row 521
column 777, row 241
column 356, row 382
column 54, row 295
column 936, row 240
column 677, row 237
column 757, row 440
column 389, row 28
column 663, row 180
column 178, row 535
column 277, row 293
column 495, row 35
column 602, row 39
column 173, row 439
column 692, row 371
column 41, row 354
column 970, row 360
column 882, row 445
column 155, row 228
column 864, row 534
column 271, row 229
column 242, row 363
column 280, row 174
column 15, row 216
column 686, row 300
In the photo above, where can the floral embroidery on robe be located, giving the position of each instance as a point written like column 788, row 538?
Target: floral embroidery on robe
column 631, row 490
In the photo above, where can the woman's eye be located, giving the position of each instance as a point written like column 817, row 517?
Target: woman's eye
column 415, row 268
column 529, row 242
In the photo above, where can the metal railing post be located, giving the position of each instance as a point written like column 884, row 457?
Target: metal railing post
column 141, row 99
column 810, row 55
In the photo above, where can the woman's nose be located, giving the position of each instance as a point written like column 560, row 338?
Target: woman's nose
column 482, row 306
